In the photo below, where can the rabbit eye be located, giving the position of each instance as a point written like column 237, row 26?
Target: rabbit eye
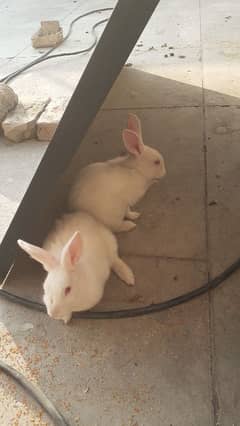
column 157, row 162
column 67, row 290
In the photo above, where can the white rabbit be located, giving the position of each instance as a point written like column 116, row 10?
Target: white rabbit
column 78, row 255
column 109, row 189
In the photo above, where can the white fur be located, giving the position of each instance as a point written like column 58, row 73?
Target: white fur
column 81, row 260
column 109, row 189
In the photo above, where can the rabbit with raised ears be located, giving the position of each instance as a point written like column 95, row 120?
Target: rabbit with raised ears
column 78, row 256
column 109, row 190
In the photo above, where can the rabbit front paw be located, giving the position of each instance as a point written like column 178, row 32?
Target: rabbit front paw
column 132, row 215
column 126, row 225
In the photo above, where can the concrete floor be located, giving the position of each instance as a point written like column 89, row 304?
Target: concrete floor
column 175, row 368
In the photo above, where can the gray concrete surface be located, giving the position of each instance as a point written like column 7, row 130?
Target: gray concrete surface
column 175, row 368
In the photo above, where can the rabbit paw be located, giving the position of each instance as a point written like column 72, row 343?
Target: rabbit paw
column 123, row 271
column 132, row 215
column 67, row 318
column 127, row 225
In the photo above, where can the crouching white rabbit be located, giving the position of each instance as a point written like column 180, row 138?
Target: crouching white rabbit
column 109, row 189
column 78, row 255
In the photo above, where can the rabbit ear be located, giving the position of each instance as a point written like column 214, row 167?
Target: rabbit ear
column 42, row 256
column 72, row 251
column 132, row 142
column 134, row 124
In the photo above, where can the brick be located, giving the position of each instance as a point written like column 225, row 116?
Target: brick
column 50, row 34
column 20, row 124
column 48, row 121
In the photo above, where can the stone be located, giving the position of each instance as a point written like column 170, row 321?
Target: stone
column 8, row 100
column 49, row 119
column 50, row 34
column 20, row 124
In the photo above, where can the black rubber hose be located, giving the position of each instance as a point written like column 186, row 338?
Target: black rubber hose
column 133, row 312
column 36, row 394
column 34, row 391
column 47, row 55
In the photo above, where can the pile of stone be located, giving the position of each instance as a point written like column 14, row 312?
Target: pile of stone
column 27, row 119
